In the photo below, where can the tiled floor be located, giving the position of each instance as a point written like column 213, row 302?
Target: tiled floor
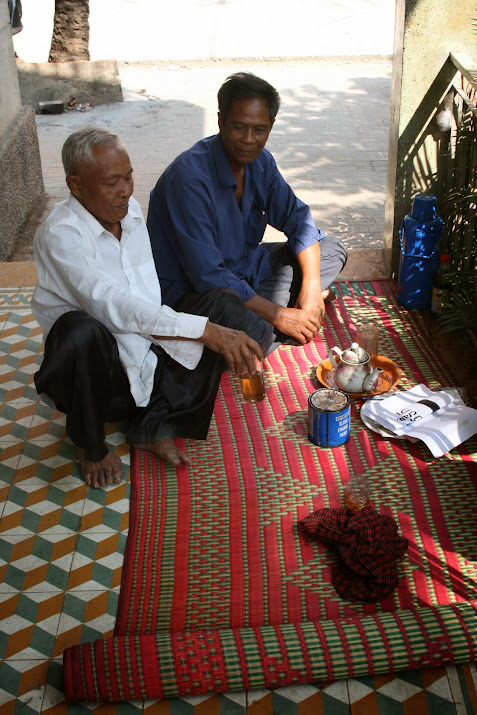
column 61, row 550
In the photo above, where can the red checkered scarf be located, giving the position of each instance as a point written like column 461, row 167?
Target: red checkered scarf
column 367, row 545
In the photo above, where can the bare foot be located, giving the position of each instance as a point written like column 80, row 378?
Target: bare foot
column 328, row 295
column 108, row 470
column 166, row 449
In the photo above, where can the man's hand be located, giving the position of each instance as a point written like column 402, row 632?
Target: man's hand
column 310, row 301
column 303, row 322
column 235, row 345
column 301, row 325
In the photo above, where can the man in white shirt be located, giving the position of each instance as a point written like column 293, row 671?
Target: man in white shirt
column 112, row 350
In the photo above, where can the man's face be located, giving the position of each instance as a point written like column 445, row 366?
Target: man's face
column 105, row 185
column 245, row 131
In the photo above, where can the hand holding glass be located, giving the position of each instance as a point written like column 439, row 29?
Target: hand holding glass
column 253, row 387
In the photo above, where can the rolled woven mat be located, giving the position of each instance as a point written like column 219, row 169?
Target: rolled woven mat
column 210, row 661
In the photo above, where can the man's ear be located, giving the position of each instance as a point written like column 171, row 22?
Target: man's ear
column 73, row 182
column 219, row 120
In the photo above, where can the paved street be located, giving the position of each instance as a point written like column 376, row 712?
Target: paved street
column 330, row 139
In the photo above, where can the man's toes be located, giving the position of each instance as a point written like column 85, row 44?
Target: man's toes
column 86, row 475
column 167, row 450
column 94, row 481
column 169, row 454
column 183, row 457
column 329, row 295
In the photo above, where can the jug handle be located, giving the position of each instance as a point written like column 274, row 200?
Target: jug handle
column 331, row 357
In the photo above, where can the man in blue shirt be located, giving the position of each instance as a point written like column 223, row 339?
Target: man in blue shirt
column 208, row 213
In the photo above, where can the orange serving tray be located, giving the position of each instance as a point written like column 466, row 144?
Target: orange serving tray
column 389, row 378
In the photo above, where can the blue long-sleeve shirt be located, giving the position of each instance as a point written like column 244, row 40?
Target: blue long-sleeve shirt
column 202, row 239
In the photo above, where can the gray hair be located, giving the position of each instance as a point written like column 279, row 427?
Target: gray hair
column 78, row 148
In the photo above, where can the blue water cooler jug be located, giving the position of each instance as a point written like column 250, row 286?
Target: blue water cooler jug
column 421, row 239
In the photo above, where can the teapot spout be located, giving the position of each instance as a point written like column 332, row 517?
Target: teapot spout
column 370, row 382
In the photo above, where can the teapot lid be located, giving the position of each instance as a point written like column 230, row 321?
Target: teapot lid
column 355, row 354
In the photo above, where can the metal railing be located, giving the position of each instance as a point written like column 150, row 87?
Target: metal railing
column 460, row 180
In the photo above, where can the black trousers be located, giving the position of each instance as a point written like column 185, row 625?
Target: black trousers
column 82, row 373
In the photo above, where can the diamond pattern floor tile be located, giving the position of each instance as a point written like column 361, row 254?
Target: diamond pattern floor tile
column 18, row 678
column 10, row 453
column 40, row 507
column 35, row 563
column 47, row 460
column 410, row 693
column 47, row 423
column 92, row 571
column 16, row 418
column 326, row 699
column 106, row 509
column 14, row 298
column 86, row 616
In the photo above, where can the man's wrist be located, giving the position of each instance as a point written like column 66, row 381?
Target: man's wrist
column 311, row 285
column 201, row 339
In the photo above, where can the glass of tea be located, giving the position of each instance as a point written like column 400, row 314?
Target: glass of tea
column 253, row 386
column 356, row 493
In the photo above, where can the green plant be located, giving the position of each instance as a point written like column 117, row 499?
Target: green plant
column 460, row 213
column 461, row 219
column 461, row 312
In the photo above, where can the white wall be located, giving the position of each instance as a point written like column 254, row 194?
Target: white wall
column 196, row 29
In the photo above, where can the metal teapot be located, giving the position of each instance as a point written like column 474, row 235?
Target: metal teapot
column 353, row 371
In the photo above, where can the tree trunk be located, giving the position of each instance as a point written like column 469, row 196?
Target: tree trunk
column 70, row 39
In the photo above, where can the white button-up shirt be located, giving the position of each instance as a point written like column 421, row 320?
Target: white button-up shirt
column 82, row 266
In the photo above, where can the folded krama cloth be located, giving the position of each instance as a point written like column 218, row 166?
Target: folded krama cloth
column 368, row 546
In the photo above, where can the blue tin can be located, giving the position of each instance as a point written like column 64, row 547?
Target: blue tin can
column 328, row 417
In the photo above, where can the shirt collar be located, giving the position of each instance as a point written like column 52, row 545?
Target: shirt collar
column 224, row 170
column 133, row 215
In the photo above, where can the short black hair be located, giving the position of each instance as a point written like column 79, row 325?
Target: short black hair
column 245, row 85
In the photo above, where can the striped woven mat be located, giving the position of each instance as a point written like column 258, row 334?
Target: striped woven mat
column 220, row 592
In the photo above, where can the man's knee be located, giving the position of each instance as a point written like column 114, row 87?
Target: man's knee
column 220, row 305
column 333, row 249
column 230, row 301
column 76, row 327
column 232, row 313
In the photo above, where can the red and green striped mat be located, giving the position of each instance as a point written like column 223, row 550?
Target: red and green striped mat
column 220, row 592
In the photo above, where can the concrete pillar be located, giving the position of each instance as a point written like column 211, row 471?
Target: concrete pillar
column 426, row 32
column 21, row 181
column 10, row 101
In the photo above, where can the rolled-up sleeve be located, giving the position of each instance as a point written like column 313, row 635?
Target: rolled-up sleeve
column 287, row 213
